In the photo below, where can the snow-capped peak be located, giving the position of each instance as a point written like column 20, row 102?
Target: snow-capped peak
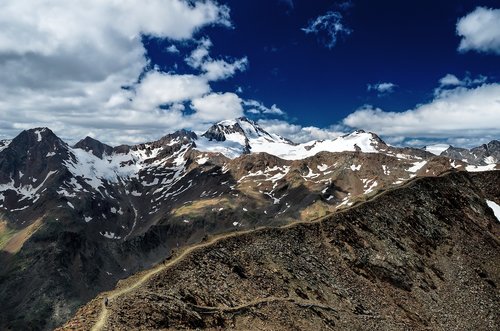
column 242, row 135
column 236, row 137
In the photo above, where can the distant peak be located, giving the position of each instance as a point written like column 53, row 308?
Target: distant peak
column 94, row 146
column 181, row 134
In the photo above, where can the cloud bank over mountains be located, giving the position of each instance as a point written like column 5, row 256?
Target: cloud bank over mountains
column 82, row 69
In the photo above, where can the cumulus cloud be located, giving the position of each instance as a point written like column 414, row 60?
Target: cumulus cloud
column 82, row 69
column 158, row 88
column 172, row 49
column 480, row 31
column 217, row 106
column 214, row 69
column 457, row 112
column 450, row 80
column 382, row 88
column 328, row 28
column 256, row 107
column 298, row 133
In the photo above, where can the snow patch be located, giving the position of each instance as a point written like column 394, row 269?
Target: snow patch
column 417, row 166
column 110, row 235
column 323, row 167
column 495, row 207
column 202, row 160
column 4, row 144
column 488, row 167
column 356, row 167
column 39, row 135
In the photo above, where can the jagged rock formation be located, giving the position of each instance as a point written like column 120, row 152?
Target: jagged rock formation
column 479, row 156
column 420, row 257
column 75, row 220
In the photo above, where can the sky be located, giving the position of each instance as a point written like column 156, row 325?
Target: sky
column 133, row 71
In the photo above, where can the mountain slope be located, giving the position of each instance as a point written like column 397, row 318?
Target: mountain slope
column 395, row 262
column 76, row 220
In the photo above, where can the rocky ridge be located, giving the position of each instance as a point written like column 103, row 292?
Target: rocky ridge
column 407, row 259
column 76, row 219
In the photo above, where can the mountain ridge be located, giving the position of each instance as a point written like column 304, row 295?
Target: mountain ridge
column 83, row 217
column 346, row 255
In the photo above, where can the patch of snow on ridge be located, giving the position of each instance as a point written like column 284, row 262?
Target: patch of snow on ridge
column 417, row 166
column 495, row 207
column 114, row 167
column 4, row 144
column 322, row 167
column 39, row 135
column 472, row 168
column 27, row 192
column 436, row 149
column 202, row 160
column 110, row 235
column 356, row 167
column 490, row 160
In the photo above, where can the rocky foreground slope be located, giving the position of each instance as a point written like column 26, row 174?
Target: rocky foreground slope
column 420, row 257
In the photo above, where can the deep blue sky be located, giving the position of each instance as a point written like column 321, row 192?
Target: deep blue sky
column 410, row 45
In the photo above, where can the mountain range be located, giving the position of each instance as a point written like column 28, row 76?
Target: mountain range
column 74, row 220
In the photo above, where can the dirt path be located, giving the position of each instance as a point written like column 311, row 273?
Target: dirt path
column 296, row 301
column 104, row 314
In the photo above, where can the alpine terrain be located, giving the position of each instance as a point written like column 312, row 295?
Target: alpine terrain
column 240, row 228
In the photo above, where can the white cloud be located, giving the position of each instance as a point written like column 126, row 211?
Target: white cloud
column 256, row 107
column 214, row 69
column 158, row 88
column 328, row 28
column 173, row 49
column 382, row 88
column 64, row 64
column 217, row 106
column 480, row 31
column 459, row 112
column 298, row 133
column 450, row 80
